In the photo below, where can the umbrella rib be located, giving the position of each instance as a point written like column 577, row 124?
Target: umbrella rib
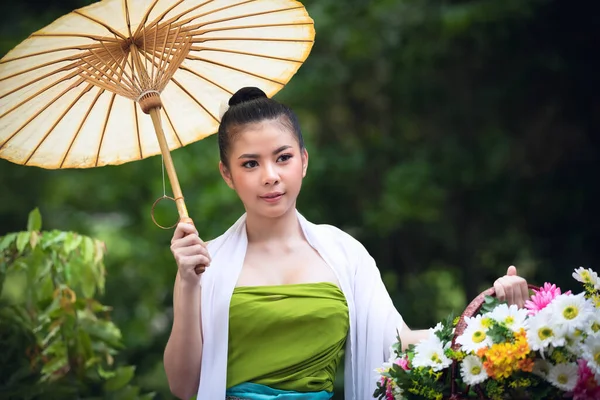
column 39, row 111
column 233, row 28
column 127, row 18
column 80, row 35
column 71, row 58
column 63, row 69
column 172, row 127
column 142, row 24
column 69, row 76
column 163, row 56
column 195, row 100
column 137, row 129
column 110, row 105
column 206, row 79
column 244, row 53
column 195, row 58
column 105, row 26
column 130, row 83
column 259, row 39
column 41, row 53
column 85, row 117
column 60, row 118
column 260, row 13
column 158, row 19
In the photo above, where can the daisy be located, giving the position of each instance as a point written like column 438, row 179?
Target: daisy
column 587, row 276
column 541, row 367
column 472, row 371
column 573, row 311
column 591, row 352
column 543, row 331
column 430, row 353
column 511, row 316
column 475, row 335
column 564, row 376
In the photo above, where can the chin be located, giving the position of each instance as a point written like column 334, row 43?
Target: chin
column 275, row 212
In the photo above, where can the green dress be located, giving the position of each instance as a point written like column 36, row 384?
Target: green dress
column 288, row 337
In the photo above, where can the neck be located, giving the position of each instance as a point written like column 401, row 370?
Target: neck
column 261, row 230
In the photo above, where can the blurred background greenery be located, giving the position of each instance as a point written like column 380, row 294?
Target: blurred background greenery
column 453, row 138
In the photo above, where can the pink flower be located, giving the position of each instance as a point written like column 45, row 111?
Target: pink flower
column 587, row 388
column 541, row 298
column 389, row 390
column 403, row 362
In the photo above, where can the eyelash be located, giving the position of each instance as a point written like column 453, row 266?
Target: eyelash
column 246, row 164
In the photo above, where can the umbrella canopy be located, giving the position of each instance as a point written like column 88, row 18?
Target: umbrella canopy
column 68, row 93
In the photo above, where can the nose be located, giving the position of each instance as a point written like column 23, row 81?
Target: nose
column 270, row 175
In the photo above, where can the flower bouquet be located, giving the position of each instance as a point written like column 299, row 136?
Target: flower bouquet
column 548, row 350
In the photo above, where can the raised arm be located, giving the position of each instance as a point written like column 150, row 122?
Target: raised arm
column 183, row 353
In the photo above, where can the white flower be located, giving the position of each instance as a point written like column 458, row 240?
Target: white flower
column 543, row 331
column 430, row 353
column 587, row 276
column 475, row 335
column 397, row 393
column 594, row 323
column 472, row 371
column 590, row 349
column 563, row 376
column 571, row 310
column 437, row 328
column 541, row 367
column 511, row 316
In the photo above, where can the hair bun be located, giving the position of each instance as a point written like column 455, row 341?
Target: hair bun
column 246, row 94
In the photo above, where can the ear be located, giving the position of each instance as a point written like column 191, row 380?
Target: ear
column 226, row 175
column 304, row 161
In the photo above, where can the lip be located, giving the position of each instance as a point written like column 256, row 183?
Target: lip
column 272, row 196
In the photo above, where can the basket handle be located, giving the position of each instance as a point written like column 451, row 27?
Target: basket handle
column 470, row 311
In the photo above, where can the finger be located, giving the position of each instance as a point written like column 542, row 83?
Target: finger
column 510, row 293
column 511, row 271
column 193, row 251
column 194, row 261
column 190, row 240
column 500, row 293
column 184, row 229
column 524, row 292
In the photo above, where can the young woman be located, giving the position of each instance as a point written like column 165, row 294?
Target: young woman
column 266, row 310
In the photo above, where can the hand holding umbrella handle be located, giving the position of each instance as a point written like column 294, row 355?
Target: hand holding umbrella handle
column 199, row 268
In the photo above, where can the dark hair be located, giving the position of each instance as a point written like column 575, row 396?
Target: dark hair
column 251, row 105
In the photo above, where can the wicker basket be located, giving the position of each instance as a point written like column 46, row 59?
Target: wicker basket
column 472, row 309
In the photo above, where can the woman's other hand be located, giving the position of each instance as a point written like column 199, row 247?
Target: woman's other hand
column 190, row 252
column 512, row 288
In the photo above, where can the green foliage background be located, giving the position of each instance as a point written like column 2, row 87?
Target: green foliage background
column 453, row 138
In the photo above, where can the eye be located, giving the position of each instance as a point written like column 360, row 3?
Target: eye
column 250, row 164
column 284, row 157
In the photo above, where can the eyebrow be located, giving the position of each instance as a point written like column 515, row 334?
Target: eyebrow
column 279, row 150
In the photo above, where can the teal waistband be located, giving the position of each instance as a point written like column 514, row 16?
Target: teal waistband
column 253, row 391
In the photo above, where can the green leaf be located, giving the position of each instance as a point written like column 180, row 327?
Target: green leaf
column 34, row 222
column 72, row 241
column 122, row 378
column 22, row 240
column 7, row 240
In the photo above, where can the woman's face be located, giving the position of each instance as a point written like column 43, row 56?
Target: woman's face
column 266, row 167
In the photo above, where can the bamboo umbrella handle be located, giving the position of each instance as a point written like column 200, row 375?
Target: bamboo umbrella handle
column 164, row 149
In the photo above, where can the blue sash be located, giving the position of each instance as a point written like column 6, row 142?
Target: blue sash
column 253, row 391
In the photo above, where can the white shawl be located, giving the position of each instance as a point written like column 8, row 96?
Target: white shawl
column 373, row 317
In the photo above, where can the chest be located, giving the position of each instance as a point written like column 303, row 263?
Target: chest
column 300, row 264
